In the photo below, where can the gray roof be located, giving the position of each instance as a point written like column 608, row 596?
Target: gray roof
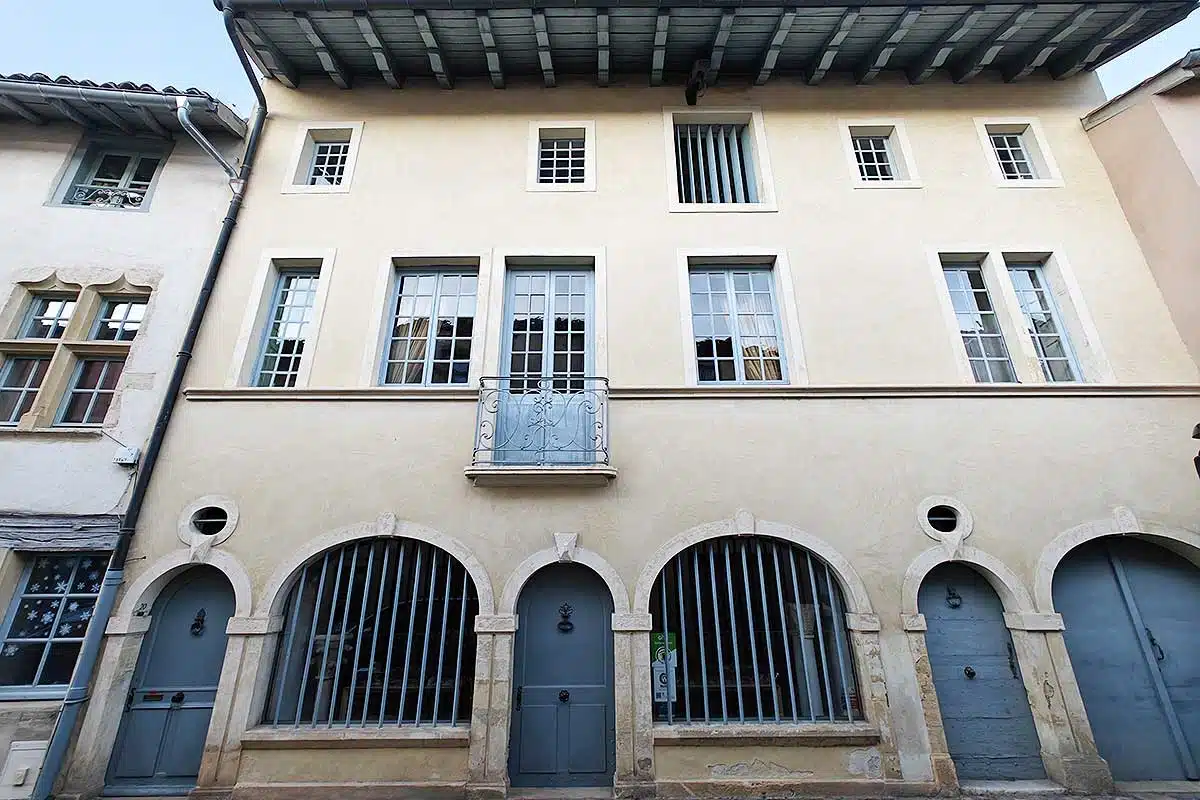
column 131, row 108
column 363, row 41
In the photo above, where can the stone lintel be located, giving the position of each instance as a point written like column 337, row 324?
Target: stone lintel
column 353, row 738
column 802, row 735
column 1034, row 622
column 254, row 626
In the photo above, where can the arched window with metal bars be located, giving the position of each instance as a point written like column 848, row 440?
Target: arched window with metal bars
column 376, row 632
column 750, row 629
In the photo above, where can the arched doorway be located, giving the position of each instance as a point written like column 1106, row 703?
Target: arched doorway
column 1130, row 608
column 563, row 714
column 161, row 739
column 985, row 709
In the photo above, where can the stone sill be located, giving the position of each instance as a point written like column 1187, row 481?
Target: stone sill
column 565, row 475
column 813, row 734
column 342, row 738
column 63, row 434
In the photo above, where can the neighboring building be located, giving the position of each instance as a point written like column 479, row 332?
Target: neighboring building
column 107, row 220
column 813, row 439
column 1149, row 141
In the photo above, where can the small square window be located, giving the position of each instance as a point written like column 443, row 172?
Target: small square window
column 112, row 177
column 324, row 159
column 561, row 160
column 1018, row 153
column 561, row 157
column 48, row 619
column 874, row 157
column 20, row 379
column 120, row 319
column 879, row 154
column 92, row 391
column 48, row 317
column 1012, row 156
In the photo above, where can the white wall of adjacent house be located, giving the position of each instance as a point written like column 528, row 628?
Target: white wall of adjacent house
column 163, row 247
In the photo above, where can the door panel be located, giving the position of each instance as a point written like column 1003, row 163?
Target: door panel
column 547, row 412
column 563, row 733
column 161, row 739
column 985, row 709
column 1134, row 653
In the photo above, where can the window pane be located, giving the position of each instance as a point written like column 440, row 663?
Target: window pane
column 120, row 319
column 48, row 318
column 1043, row 323
column 54, row 608
column 287, row 330
column 328, row 166
column 20, row 378
column 110, row 170
column 431, row 329
column 747, row 344
column 90, row 396
column 978, row 324
column 561, row 160
column 144, row 172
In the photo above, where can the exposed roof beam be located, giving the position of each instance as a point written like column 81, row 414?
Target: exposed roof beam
column 989, row 49
column 489, row 48
column 21, row 110
column 332, row 66
column 147, row 116
column 272, row 61
column 1038, row 54
column 937, row 55
column 383, row 58
column 1090, row 52
column 660, row 47
column 829, row 50
column 718, row 49
column 542, row 33
column 782, row 28
column 70, row 112
column 111, row 117
column 882, row 52
column 603, row 55
column 432, row 50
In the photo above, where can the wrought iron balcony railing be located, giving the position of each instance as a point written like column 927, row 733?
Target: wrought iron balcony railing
column 85, row 194
column 525, row 422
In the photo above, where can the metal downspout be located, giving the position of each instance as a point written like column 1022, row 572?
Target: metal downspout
column 77, row 692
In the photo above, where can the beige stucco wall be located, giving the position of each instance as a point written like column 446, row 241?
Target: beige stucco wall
column 444, row 174
column 1152, row 153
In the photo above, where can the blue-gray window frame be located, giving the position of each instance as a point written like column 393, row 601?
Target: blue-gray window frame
column 1056, row 317
column 276, row 295
column 439, row 272
column 72, row 386
column 87, row 157
column 58, row 690
column 738, row 357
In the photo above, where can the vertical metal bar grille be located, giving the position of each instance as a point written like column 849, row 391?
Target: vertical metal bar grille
column 757, row 636
column 353, row 614
column 713, row 164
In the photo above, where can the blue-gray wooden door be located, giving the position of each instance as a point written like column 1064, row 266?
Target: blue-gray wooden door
column 1130, row 612
column 985, row 709
column 161, row 738
column 547, row 411
column 563, row 718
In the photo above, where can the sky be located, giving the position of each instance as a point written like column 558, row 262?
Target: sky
column 182, row 43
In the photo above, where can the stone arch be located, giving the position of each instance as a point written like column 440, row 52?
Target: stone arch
column 1011, row 589
column 744, row 523
column 553, row 555
column 275, row 593
column 142, row 593
column 1123, row 522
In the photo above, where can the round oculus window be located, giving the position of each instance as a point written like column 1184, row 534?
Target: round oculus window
column 210, row 520
column 942, row 518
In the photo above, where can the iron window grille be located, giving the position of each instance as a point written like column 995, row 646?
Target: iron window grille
column 714, row 163
column 119, row 320
column 116, row 180
column 92, row 390
column 735, row 326
column 1013, row 156
column 48, row 619
column 376, row 632
column 20, row 379
column 432, row 325
column 978, row 324
column 561, row 159
column 1044, row 323
column 287, row 328
column 328, row 165
column 750, row 629
column 873, row 154
column 48, row 317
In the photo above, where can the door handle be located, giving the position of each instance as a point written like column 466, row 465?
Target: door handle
column 517, row 704
column 1159, row 654
column 1012, row 661
column 177, row 698
column 564, row 696
column 969, row 672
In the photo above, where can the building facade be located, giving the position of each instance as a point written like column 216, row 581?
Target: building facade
column 808, row 439
column 1149, row 141
column 107, row 225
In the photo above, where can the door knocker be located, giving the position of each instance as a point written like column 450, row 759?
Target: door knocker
column 198, row 623
column 565, row 611
column 953, row 599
